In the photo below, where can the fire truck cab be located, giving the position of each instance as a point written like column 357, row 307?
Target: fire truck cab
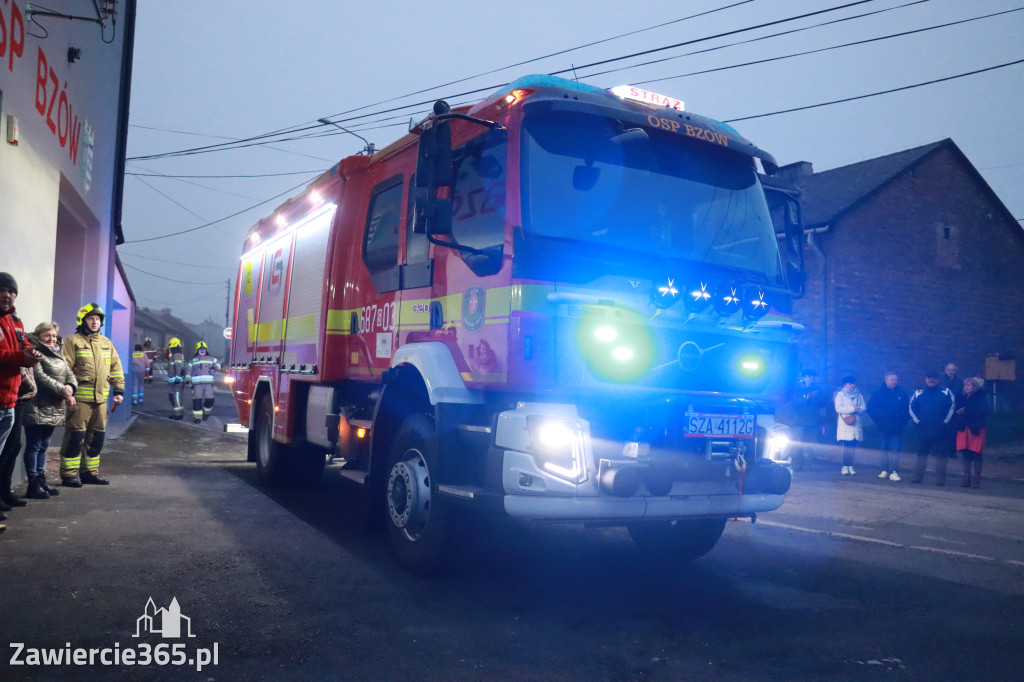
column 562, row 303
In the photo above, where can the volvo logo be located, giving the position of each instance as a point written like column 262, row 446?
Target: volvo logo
column 689, row 355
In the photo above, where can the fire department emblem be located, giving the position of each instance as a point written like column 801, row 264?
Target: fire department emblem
column 473, row 304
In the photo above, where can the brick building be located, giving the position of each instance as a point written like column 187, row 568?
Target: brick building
column 912, row 262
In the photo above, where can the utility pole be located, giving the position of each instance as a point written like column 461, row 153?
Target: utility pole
column 227, row 306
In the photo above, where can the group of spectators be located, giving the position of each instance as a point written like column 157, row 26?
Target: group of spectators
column 46, row 383
column 949, row 415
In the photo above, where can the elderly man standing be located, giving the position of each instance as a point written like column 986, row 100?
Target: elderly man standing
column 97, row 368
column 931, row 408
column 889, row 408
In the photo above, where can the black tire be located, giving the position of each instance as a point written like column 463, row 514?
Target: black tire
column 416, row 517
column 270, row 455
column 680, row 540
column 252, row 446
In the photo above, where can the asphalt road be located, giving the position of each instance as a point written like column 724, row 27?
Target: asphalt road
column 853, row 579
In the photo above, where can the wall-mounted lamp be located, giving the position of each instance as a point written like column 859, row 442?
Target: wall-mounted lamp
column 74, row 54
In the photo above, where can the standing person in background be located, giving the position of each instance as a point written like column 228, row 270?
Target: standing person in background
column 951, row 381
column 55, row 390
column 175, row 376
column 970, row 417
column 931, row 408
column 97, row 368
column 15, row 353
column 809, row 417
column 151, row 354
column 849, row 428
column 201, row 374
column 889, row 408
column 140, row 364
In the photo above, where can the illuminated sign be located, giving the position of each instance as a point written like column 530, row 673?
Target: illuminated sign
column 647, row 97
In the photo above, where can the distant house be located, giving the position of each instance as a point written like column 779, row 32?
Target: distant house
column 912, row 262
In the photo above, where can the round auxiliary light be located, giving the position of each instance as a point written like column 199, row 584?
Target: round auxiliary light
column 728, row 299
column 755, row 303
column 665, row 293
column 697, row 296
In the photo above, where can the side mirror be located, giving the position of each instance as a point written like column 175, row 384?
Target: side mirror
column 796, row 278
column 793, row 220
column 433, row 216
column 434, row 156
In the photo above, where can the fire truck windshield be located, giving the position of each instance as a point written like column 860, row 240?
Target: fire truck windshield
column 594, row 181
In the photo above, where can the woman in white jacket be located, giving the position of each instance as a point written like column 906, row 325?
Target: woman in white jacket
column 849, row 428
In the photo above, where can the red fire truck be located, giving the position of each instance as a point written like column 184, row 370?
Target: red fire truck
column 562, row 303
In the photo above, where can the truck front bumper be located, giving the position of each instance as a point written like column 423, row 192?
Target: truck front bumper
column 611, row 509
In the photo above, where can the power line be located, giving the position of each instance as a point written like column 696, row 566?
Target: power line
column 191, row 300
column 188, row 182
column 754, row 40
column 168, row 279
column 303, row 128
column 253, row 175
column 874, row 94
column 826, row 49
column 161, row 260
column 219, row 220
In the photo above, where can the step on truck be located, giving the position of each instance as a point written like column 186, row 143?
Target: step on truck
column 562, row 303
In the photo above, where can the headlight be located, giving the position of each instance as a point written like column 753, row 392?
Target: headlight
column 778, row 443
column 557, row 447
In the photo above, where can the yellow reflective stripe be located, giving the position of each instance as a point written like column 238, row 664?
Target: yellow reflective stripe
column 302, row 327
column 339, row 321
column 270, row 331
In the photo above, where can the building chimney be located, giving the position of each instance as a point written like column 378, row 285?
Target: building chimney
column 792, row 172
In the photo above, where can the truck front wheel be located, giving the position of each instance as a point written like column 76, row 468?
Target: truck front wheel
column 269, row 453
column 682, row 539
column 416, row 518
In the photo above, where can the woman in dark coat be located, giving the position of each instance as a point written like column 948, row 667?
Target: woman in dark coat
column 55, row 383
column 970, row 435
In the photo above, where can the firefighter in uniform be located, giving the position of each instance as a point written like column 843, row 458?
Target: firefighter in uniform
column 140, row 365
column 97, row 368
column 175, row 376
column 151, row 354
column 201, row 373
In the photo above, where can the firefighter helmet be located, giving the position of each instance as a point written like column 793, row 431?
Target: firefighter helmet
column 90, row 309
column 202, row 344
column 175, row 341
column 147, row 340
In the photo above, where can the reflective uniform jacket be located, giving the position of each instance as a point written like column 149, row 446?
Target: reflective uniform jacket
column 96, row 366
column 201, row 372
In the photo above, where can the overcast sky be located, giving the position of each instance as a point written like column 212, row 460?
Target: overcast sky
column 208, row 72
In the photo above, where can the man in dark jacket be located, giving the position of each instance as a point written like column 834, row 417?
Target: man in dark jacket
column 889, row 408
column 808, row 417
column 931, row 408
column 15, row 353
